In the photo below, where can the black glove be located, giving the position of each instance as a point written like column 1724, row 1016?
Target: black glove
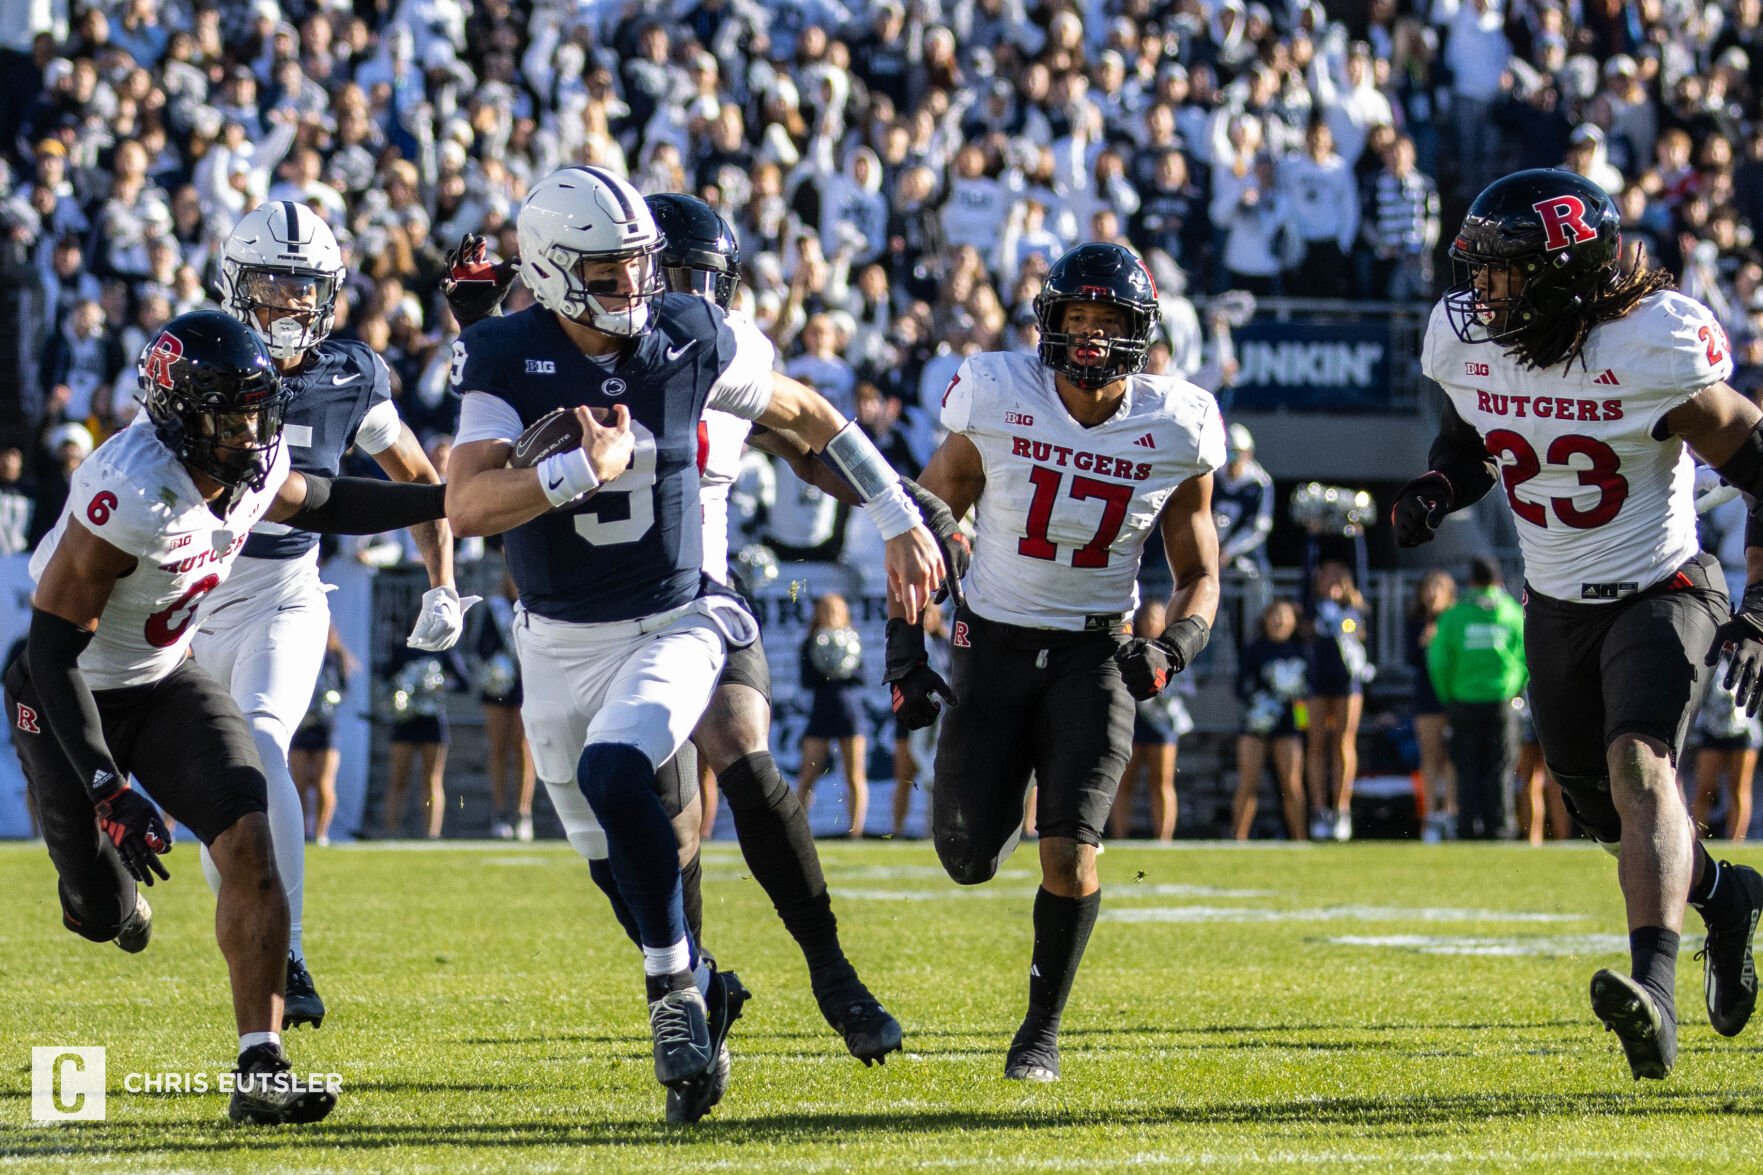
column 1744, row 633
column 915, row 685
column 131, row 823
column 1147, row 665
column 474, row 286
column 957, row 552
column 1419, row 508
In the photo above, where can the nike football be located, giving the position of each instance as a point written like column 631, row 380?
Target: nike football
column 557, row 431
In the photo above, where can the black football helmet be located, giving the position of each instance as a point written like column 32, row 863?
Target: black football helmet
column 1097, row 273
column 214, row 397
column 1558, row 237
column 701, row 254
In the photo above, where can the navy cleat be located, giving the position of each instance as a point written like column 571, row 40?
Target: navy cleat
column 1648, row 1034
column 689, row 1102
column 870, row 1032
column 266, row 1092
column 137, row 928
column 679, row 1023
column 1033, row 1055
column 1729, row 972
column 300, row 1003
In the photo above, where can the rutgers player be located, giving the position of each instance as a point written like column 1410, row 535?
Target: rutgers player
column 1599, row 378
column 1071, row 456
column 105, row 688
column 263, row 632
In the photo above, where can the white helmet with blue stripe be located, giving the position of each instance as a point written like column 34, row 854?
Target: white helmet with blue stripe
column 280, row 274
column 590, row 250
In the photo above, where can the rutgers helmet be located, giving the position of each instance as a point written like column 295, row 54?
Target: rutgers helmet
column 214, row 397
column 580, row 216
column 701, row 255
column 280, row 273
column 1558, row 237
column 1103, row 273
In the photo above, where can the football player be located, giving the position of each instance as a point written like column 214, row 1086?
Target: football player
column 263, row 632
column 1598, row 382
column 620, row 636
column 154, row 522
column 1071, row 456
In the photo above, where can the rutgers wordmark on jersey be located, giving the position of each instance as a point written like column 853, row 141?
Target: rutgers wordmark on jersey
column 132, row 493
column 1604, row 505
column 1066, row 510
column 635, row 546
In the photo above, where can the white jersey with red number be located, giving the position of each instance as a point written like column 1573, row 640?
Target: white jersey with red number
column 1603, row 508
column 132, row 493
column 1065, row 511
column 720, row 440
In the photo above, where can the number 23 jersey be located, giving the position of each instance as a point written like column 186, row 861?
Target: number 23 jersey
column 1603, row 507
column 1066, row 510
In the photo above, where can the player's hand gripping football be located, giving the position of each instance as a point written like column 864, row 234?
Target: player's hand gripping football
column 609, row 446
column 130, row 822
column 914, row 684
column 1743, row 635
column 1419, row 508
column 442, row 619
column 475, row 286
column 1147, row 665
column 957, row 552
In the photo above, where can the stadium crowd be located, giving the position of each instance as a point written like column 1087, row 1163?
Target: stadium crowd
column 900, row 175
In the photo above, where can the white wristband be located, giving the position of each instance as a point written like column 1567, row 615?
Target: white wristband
column 893, row 512
column 567, row 476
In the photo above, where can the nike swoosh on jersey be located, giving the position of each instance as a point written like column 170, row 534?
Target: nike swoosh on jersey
column 340, row 380
column 675, row 352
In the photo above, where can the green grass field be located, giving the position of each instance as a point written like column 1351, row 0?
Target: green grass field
column 1342, row 1007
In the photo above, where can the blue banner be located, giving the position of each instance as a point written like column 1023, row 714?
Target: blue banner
column 1311, row 366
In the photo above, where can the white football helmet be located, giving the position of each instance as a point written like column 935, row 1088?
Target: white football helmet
column 280, row 274
column 581, row 216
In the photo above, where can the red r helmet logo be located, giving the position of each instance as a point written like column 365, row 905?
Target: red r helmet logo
column 1564, row 222
column 156, row 363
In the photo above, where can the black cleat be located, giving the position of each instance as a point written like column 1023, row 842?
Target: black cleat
column 1033, row 1055
column 870, row 1032
column 679, row 1023
column 1648, row 1035
column 266, row 1092
column 137, row 928
column 300, row 1003
column 689, row 1102
column 1729, row 973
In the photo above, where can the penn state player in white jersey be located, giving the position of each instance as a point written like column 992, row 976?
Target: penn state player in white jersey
column 1071, row 457
column 105, row 688
column 1598, row 379
column 263, row 632
column 619, row 640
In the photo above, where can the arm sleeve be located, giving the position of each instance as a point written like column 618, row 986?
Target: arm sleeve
column 380, row 428
column 366, row 505
column 744, row 387
column 52, row 654
column 1460, row 454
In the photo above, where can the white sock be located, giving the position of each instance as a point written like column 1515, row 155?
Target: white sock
column 248, row 1040
column 667, row 960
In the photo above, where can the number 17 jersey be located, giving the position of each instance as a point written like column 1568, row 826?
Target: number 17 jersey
column 1062, row 521
column 1604, row 507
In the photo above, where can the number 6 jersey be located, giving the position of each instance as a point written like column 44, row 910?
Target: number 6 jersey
column 1604, row 507
column 1066, row 509
column 132, row 493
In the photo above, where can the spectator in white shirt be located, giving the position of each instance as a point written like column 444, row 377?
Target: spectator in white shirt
column 1323, row 200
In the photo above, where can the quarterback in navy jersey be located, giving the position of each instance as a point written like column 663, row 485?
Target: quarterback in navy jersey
column 619, row 640
column 263, row 631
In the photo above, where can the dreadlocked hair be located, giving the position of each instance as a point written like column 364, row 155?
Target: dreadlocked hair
column 1562, row 340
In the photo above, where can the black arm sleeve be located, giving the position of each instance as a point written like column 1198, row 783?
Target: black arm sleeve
column 1459, row 453
column 52, row 655
column 366, row 505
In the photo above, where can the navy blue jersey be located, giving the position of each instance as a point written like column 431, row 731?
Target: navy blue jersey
column 341, row 380
column 635, row 547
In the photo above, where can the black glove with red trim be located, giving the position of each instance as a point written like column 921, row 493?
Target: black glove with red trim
column 1419, row 508
column 474, row 285
column 1147, row 665
column 131, row 823
column 1744, row 634
column 915, row 685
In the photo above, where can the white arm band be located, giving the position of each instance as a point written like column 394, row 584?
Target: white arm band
column 567, row 476
column 855, row 458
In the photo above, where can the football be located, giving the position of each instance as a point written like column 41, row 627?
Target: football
column 555, row 432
